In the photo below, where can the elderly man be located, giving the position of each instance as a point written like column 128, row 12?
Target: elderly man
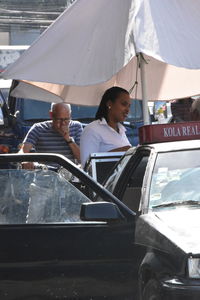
column 59, row 135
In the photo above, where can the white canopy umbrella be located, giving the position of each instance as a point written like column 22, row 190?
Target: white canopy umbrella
column 93, row 45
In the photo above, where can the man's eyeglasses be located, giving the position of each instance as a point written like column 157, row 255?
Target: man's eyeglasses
column 62, row 119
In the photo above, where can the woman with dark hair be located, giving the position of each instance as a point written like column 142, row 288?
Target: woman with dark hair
column 107, row 133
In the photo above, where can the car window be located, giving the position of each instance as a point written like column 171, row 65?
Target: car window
column 38, row 196
column 175, row 178
column 1, row 112
column 1, row 117
column 1, row 99
column 132, row 192
column 113, row 179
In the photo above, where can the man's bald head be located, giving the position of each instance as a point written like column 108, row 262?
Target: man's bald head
column 56, row 107
column 60, row 114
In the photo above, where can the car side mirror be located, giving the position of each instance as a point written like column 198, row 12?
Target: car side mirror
column 100, row 211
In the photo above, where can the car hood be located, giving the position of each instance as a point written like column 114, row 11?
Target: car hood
column 171, row 229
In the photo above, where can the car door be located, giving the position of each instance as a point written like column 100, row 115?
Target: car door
column 129, row 190
column 48, row 252
column 127, row 179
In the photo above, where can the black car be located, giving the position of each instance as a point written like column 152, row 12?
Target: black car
column 64, row 236
column 55, row 242
column 160, row 182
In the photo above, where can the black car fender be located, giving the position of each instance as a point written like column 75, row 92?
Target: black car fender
column 154, row 265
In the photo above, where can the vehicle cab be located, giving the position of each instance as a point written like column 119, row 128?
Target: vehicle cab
column 159, row 181
column 66, row 242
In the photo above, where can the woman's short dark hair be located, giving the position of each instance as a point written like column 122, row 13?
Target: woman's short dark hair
column 109, row 95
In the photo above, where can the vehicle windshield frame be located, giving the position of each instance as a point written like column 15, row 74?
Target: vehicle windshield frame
column 165, row 178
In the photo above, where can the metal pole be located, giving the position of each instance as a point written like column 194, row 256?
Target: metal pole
column 144, row 91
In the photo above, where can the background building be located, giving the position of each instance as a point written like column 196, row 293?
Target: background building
column 22, row 21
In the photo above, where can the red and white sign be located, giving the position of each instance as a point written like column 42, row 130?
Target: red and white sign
column 169, row 132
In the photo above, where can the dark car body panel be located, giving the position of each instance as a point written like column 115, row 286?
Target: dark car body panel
column 54, row 259
column 67, row 260
column 168, row 235
column 117, row 247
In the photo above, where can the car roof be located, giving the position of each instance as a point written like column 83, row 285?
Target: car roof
column 168, row 146
column 178, row 145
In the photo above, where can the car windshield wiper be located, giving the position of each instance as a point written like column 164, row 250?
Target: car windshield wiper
column 175, row 203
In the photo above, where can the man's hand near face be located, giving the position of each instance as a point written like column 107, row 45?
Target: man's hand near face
column 64, row 131
column 62, row 127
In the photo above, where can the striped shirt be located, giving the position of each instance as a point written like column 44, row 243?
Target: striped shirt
column 45, row 138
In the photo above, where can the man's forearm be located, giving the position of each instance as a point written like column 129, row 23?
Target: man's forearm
column 25, row 148
column 75, row 150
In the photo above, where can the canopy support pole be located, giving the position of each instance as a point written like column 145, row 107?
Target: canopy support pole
column 144, row 91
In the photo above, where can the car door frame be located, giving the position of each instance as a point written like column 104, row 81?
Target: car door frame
column 129, row 169
column 77, row 260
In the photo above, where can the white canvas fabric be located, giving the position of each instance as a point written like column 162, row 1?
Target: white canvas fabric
column 87, row 44
column 92, row 46
column 168, row 31
column 164, row 82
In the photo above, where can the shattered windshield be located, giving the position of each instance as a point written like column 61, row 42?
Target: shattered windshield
column 175, row 179
column 38, row 196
